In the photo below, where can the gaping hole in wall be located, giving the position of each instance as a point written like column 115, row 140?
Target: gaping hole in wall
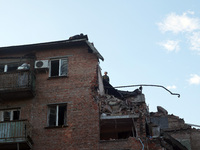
column 54, row 68
column 117, row 129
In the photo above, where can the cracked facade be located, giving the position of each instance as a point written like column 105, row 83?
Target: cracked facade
column 53, row 97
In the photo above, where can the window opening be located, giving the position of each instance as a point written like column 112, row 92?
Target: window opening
column 16, row 115
column 57, row 115
column 54, row 68
column 61, row 117
column 1, row 68
column 9, row 115
column 12, row 67
column 58, row 67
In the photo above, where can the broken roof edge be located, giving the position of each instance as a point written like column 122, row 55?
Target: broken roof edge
column 53, row 43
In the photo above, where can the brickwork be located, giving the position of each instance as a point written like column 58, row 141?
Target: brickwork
column 77, row 90
column 82, row 113
column 128, row 144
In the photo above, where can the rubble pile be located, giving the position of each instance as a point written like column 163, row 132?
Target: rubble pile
column 112, row 106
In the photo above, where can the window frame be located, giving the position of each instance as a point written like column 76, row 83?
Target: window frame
column 2, row 118
column 57, row 115
column 62, row 61
column 12, row 66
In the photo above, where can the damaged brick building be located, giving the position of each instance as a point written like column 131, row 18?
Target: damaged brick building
column 53, row 97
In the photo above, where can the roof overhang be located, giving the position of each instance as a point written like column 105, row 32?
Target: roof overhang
column 51, row 45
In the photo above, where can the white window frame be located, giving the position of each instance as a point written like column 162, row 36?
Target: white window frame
column 57, row 114
column 11, row 114
column 60, row 64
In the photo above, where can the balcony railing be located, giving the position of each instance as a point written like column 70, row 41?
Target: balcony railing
column 15, row 82
column 15, row 132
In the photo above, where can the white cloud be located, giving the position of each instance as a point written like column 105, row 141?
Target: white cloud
column 170, row 45
column 179, row 23
column 195, row 41
column 189, row 12
column 171, row 87
column 194, row 79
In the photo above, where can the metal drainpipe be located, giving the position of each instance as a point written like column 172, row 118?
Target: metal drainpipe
column 141, row 143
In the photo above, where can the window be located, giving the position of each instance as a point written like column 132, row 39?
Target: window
column 57, row 115
column 8, row 67
column 58, row 67
column 9, row 115
column 13, row 67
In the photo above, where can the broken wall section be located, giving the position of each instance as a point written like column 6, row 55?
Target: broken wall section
column 176, row 128
column 121, row 118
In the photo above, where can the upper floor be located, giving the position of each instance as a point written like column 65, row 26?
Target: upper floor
column 23, row 68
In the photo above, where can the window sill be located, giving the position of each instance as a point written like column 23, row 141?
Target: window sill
column 53, row 127
column 56, row 77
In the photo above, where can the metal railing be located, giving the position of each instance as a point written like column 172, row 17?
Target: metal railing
column 18, row 80
column 15, row 131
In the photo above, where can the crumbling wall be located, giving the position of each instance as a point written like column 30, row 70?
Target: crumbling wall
column 194, row 138
column 122, row 118
column 177, row 128
column 112, row 106
column 176, row 123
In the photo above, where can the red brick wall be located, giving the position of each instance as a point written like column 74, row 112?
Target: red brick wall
column 76, row 90
column 82, row 112
column 127, row 144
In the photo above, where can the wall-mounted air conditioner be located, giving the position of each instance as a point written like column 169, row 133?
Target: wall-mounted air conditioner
column 41, row 64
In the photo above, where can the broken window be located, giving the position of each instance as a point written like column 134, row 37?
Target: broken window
column 57, row 115
column 58, row 67
column 9, row 115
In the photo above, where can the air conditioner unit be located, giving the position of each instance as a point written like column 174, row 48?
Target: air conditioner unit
column 41, row 64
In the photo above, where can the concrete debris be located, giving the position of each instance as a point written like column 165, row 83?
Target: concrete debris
column 111, row 105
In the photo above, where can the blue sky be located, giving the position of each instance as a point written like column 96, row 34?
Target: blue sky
column 143, row 42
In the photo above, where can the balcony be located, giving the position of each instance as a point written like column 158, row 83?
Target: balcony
column 15, row 135
column 17, row 85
